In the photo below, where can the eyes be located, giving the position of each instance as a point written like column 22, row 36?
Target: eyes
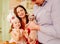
column 19, row 11
column 17, row 23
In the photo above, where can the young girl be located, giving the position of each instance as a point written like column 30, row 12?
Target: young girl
column 31, row 34
column 16, row 31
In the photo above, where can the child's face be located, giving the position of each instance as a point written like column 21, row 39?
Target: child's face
column 16, row 23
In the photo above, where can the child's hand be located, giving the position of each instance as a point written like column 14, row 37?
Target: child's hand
column 21, row 32
column 25, row 33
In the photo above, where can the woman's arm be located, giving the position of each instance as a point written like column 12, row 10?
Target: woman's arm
column 33, row 26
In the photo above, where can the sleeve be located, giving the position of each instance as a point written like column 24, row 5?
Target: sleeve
column 56, row 16
column 53, row 30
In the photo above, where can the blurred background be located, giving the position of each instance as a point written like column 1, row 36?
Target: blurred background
column 5, row 7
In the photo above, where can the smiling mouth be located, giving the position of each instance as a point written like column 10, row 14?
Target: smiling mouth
column 21, row 14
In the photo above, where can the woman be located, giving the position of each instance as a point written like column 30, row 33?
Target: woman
column 21, row 14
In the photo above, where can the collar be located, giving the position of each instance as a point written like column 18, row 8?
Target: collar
column 44, row 3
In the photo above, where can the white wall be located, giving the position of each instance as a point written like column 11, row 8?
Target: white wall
column 0, row 19
column 4, row 23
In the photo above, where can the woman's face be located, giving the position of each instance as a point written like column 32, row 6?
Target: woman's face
column 16, row 23
column 20, row 12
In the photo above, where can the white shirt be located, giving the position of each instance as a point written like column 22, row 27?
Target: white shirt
column 48, row 17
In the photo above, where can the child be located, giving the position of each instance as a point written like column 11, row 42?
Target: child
column 31, row 34
column 16, row 31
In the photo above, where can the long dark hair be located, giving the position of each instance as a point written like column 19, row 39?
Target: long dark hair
column 15, row 12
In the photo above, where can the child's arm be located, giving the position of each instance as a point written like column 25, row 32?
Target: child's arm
column 15, row 36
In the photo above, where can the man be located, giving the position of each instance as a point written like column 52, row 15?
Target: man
column 47, row 13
